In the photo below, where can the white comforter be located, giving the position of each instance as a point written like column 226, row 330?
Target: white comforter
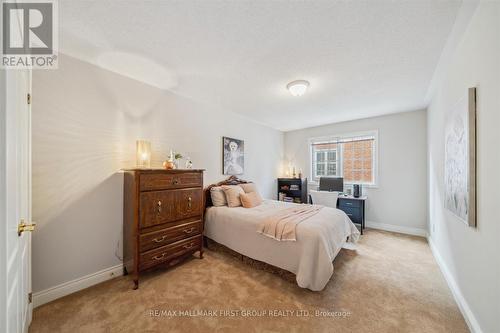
column 319, row 239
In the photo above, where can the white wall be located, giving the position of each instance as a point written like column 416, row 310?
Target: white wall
column 85, row 123
column 399, row 200
column 470, row 256
column 196, row 130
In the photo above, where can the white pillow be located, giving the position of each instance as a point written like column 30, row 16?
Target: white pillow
column 218, row 196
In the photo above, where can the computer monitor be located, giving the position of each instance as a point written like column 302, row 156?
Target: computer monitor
column 331, row 184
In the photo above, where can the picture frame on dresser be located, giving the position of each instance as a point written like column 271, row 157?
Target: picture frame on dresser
column 162, row 218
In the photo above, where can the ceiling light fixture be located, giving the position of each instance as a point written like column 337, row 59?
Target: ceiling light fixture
column 298, row 87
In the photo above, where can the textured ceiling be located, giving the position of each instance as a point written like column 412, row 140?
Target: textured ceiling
column 362, row 58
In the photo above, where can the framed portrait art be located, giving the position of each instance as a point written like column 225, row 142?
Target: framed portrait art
column 460, row 159
column 233, row 160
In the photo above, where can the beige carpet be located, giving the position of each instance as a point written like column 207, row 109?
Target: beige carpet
column 390, row 284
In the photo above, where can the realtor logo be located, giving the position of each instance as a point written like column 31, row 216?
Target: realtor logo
column 29, row 34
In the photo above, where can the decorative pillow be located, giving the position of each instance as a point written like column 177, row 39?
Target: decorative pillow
column 218, row 196
column 249, row 187
column 233, row 193
column 249, row 200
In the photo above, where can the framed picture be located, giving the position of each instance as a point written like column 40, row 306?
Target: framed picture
column 233, row 160
column 460, row 159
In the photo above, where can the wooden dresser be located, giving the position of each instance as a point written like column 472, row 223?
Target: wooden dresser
column 162, row 218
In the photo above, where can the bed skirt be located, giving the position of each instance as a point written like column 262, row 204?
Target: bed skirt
column 260, row 265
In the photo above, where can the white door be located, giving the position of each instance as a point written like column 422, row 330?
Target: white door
column 15, row 196
column 17, row 199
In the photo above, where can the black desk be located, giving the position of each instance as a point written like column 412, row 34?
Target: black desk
column 354, row 208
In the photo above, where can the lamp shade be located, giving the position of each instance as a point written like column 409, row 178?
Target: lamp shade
column 143, row 153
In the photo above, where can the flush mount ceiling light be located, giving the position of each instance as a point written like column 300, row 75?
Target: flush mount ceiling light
column 298, row 87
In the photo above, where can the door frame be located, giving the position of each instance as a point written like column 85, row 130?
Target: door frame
column 29, row 315
column 3, row 197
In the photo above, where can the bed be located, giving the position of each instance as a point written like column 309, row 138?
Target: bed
column 319, row 238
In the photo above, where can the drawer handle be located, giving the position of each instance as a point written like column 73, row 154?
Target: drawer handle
column 188, row 231
column 158, row 207
column 190, row 203
column 188, row 246
column 159, row 257
column 349, row 203
column 175, row 181
column 159, row 240
column 349, row 214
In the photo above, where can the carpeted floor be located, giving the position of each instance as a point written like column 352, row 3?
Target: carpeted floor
column 391, row 283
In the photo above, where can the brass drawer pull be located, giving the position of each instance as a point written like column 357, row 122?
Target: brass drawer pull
column 175, row 181
column 190, row 203
column 188, row 231
column 188, row 246
column 159, row 240
column 158, row 207
column 159, row 257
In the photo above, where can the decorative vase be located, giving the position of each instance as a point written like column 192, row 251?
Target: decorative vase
column 169, row 165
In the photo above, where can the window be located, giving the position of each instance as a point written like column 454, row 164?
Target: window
column 325, row 161
column 352, row 157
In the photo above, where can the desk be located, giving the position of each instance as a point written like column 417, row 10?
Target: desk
column 354, row 208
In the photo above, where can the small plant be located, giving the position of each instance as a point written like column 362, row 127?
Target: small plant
column 177, row 156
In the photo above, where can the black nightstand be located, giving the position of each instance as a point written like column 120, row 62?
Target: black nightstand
column 354, row 208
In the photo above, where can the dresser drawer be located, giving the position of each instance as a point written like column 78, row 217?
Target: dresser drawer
column 168, row 252
column 352, row 203
column 188, row 203
column 355, row 214
column 169, row 235
column 165, row 181
column 158, row 207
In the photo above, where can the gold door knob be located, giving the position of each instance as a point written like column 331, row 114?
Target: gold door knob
column 22, row 227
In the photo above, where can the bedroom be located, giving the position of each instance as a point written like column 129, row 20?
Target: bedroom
column 141, row 108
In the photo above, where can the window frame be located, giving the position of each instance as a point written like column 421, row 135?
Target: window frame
column 340, row 162
column 326, row 162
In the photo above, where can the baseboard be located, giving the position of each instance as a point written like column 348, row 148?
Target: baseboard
column 53, row 293
column 469, row 317
column 397, row 228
